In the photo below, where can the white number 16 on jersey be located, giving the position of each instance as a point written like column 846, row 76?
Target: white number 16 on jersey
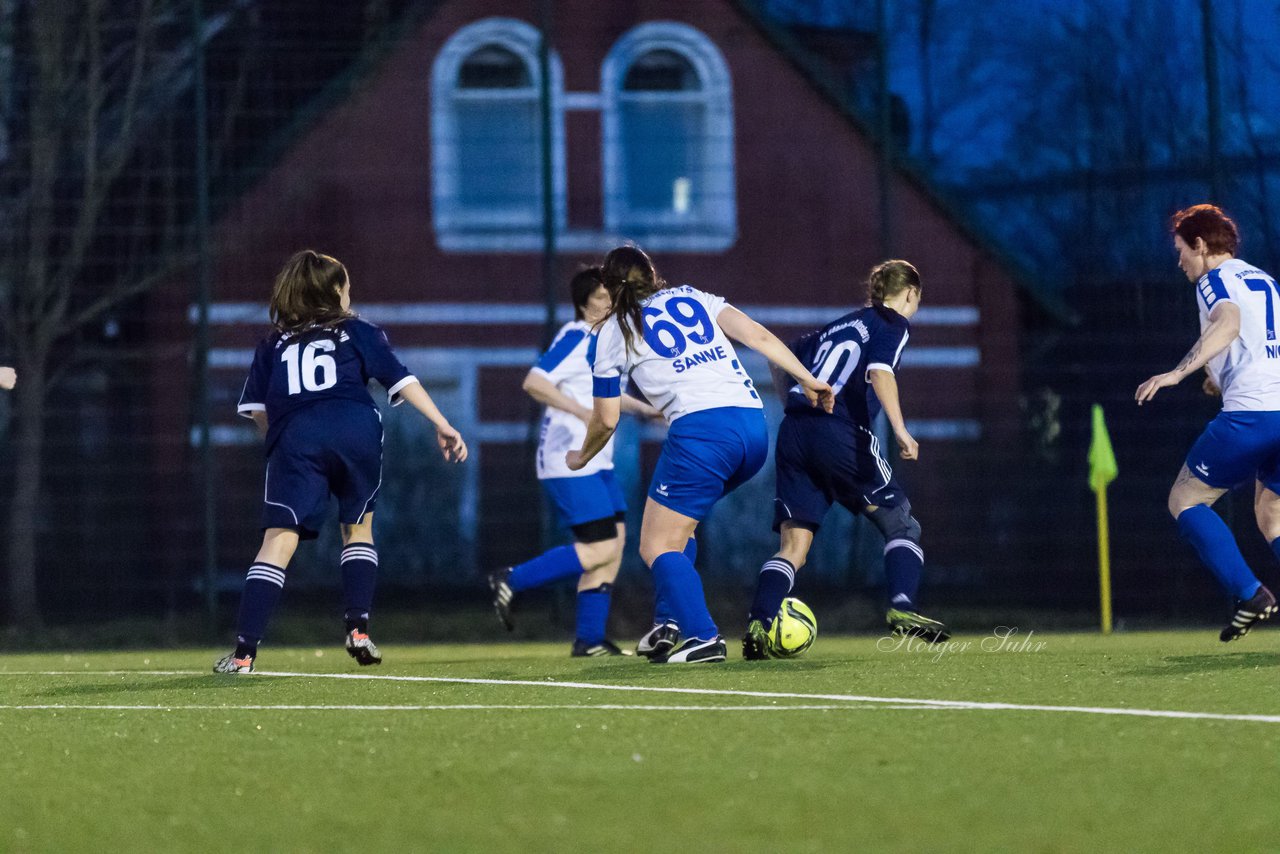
column 317, row 372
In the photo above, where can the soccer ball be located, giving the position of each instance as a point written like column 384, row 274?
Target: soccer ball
column 792, row 630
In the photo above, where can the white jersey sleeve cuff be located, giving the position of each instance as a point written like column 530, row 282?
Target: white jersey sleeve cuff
column 246, row 410
column 393, row 393
column 879, row 366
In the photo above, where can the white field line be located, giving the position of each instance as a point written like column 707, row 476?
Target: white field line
column 913, row 702
column 471, row 707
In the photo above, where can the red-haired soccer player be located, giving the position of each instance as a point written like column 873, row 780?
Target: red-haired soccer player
column 1239, row 348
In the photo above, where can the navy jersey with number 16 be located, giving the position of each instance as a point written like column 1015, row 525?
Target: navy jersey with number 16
column 843, row 352
column 291, row 371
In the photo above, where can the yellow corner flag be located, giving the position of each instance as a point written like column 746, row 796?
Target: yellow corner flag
column 1102, row 460
column 1102, row 470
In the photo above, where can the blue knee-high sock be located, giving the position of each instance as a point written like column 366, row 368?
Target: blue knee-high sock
column 1212, row 539
column 359, row 576
column 262, row 588
column 1275, row 547
column 551, row 565
column 662, row 612
column 593, row 613
column 903, row 566
column 680, row 587
column 776, row 579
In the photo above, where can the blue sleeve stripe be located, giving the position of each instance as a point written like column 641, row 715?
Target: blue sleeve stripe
column 560, row 350
column 606, row 386
column 1216, row 287
column 591, row 350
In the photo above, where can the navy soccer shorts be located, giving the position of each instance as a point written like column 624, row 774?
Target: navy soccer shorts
column 332, row 447
column 820, row 460
column 707, row 455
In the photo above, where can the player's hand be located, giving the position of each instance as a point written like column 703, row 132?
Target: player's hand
column 575, row 462
column 8, row 378
column 908, row 446
column 1209, row 387
column 452, row 448
column 819, row 393
column 1148, row 390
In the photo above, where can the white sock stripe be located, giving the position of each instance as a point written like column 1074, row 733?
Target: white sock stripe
column 269, row 574
column 360, row 553
column 780, row 566
column 905, row 544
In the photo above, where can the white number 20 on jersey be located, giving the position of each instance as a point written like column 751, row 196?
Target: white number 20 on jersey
column 317, row 371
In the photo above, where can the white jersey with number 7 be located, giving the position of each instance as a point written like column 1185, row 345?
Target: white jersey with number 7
column 1248, row 372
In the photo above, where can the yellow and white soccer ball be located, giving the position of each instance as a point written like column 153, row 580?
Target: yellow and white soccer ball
column 793, row 629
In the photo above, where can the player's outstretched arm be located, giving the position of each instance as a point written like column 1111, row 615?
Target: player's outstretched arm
column 1223, row 328
column 545, row 392
column 452, row 448
column 741, row 328
column 885, row 385
column 604, row 420
column 8, row 378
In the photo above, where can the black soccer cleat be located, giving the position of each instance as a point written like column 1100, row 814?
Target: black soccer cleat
column 362, row 649
column 694, row 651
column 581, row 649
column 755, row 643
column 502, row 596
column 659, row 640
column 911, row 624
column 1256, row 609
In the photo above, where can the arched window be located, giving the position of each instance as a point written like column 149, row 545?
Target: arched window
column 668, row 139
column 487, row 140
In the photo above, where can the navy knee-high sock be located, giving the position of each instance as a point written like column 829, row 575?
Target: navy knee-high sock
column 262, row 588
column 776, row 579
column 359, row 576
column 903, row 566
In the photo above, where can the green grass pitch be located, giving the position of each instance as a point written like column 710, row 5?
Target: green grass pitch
column 835, row 751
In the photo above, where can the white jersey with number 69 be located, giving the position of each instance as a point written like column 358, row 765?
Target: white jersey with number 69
column 1248, row 372
column 682, row 361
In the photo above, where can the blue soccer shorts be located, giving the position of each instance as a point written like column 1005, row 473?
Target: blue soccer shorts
column 332, row 447
column 579, row 500
column 820, row 460
column 707, row 455
column 1237, row 447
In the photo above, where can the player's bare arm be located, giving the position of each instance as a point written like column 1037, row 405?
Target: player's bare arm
column 634, row 406
column 452, row 448
column 1223, row 328
column 8, row 378
column 547, row 393
column 260, row 421
column 600, row 427
column 743, row 329
column 885, row 385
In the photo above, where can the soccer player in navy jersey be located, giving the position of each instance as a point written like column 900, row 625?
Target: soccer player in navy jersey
column 675, row 344
column 822, row 458
column 307, row 392
column 588, row 502
column 8, row 378
column 1238, row 348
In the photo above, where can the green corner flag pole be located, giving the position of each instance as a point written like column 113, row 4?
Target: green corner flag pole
column 1102, row 470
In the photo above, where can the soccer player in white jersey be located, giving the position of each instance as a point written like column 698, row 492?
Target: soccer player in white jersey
column 588, row 502
column 1238, row 346
column 675, row 344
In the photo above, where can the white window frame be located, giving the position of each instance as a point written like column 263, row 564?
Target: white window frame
column 716, row 230
column 459, row 228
